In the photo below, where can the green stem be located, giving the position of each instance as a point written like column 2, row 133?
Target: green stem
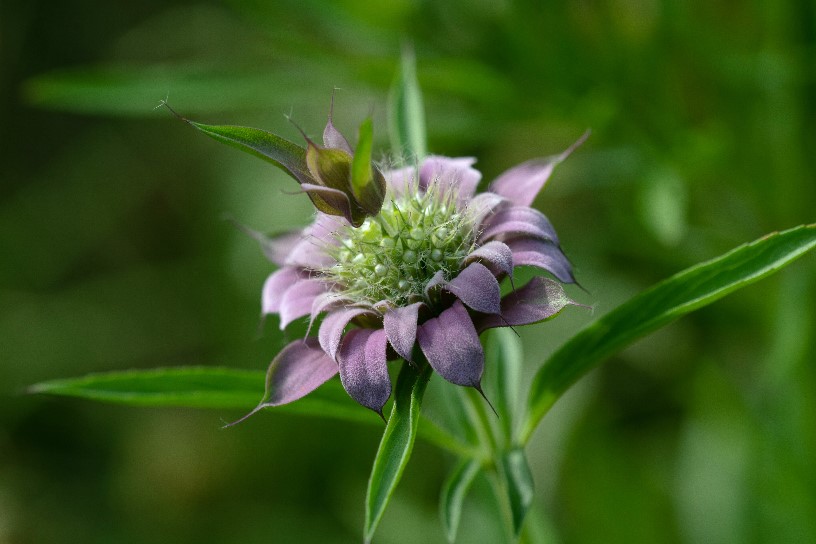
column 503, row 501
column 436, row 435
column 474, row 405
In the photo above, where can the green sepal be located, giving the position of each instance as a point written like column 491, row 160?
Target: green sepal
column 367, row 182
column 334, row 202
column 330, row 167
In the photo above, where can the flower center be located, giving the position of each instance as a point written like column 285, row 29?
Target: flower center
column 393, row 255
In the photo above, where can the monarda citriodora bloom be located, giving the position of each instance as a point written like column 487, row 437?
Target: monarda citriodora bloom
column 409, row 268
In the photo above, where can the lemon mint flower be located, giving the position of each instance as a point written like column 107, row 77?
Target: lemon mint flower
column 413, row 263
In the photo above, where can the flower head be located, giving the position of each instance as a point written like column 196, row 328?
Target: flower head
column 418, row 276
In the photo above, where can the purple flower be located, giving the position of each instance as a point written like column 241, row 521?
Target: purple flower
column 421, row 275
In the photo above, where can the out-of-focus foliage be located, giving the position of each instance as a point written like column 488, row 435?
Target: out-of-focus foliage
column 114, row 255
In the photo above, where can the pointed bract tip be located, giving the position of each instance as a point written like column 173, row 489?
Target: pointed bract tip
column 478, row 387
column 331, row 104
column 581, row 287
column 288, row 117
column 578, row 143
column 244, row 418
column 511, row 327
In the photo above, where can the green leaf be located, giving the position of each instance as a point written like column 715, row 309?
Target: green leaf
column 503, row 362
column 222, row 388
column 397, row 442
column 128, row 89
column 689, row 290
column 518, row 482
column 406, row 114
column 453, row 495
column 199, row 387
column 281, row 152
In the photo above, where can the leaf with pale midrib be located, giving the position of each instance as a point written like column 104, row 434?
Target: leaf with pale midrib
column 684, row 292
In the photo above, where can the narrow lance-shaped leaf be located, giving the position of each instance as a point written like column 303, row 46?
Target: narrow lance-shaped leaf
column 198, row 387
column 219, row 388
column 518, row 482
column 453, row 494
column 406, row 112
column 688, row 290
column 272, row 148
column 397, row 442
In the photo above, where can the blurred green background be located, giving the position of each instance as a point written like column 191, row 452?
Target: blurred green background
column 114, row 254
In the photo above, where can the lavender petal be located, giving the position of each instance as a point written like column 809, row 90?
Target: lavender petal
column 482, row 206
column 522, row 183
column 540, row 299
column 496, row 256
column 542, row 254
column 452, row 347
column 324, row 302
column 450, row 174
column 518, row 221
column 312, row 252
column 402, row 180
column 363, row 368
column 298, row 299
column 275, row 247
column 325, row 228
column 275, row 287
column 477, row 287
column 333, row 325
column 300, row 368
column 434, row 284
column 400, row 326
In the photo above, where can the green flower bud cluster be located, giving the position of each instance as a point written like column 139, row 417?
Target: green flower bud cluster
column 392, row 255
